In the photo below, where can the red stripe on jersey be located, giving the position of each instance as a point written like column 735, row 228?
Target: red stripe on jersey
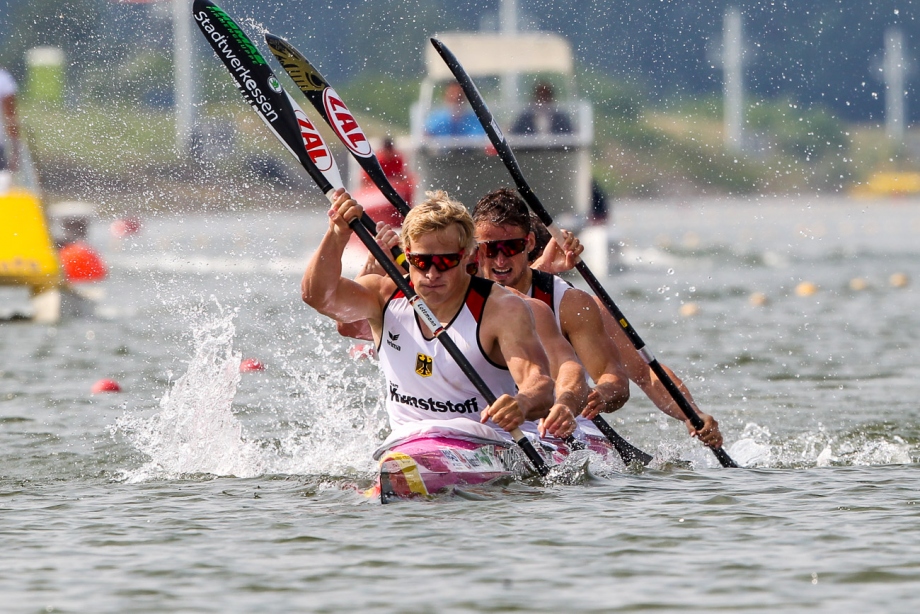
column 476, row 300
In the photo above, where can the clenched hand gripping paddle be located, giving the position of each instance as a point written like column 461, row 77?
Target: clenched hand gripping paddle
column 263, row 91
column 507, row 156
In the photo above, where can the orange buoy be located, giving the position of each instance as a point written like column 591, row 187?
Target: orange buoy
column 251, row 364
column 81, row 262
column 899, row 280
column 806, row 288
column 106, row 385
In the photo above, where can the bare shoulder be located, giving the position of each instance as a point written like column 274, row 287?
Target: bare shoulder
column 541, row 311
column 505, row 298
column 577, row 304
column 383, row 287
column 506, row 309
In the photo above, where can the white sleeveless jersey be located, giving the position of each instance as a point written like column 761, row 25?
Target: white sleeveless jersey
column 548, row 289
column 423, row 381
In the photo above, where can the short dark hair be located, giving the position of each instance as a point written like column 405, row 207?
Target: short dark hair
column 502, row 207
column 541, row 237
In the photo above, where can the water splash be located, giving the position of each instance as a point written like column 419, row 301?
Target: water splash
column 325, row 423
column 339, row 407
column 195, row 430
column 819, row 448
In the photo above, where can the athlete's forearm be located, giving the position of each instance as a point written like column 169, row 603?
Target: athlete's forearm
column 616, row 390
column 571, row 386
column 535, row 396
column 659, row 395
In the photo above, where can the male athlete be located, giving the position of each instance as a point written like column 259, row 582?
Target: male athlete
column 493, row 327
column 571, row 387
column 504, row 232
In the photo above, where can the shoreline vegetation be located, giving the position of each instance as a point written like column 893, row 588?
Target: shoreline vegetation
column 124, row 158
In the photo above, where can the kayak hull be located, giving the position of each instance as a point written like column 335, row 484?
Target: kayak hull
column 429, row 465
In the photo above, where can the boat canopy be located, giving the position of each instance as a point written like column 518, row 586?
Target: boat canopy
column 487, row 54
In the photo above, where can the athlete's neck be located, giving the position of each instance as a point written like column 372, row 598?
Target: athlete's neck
column 524, row 283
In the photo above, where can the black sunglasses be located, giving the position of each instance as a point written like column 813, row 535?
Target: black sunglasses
column 441, row 262
column 508, row 247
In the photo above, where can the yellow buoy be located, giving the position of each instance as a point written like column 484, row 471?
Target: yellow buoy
column 27, row 253
column 806, row 288
column 858, row 283
column 899, row 280
column 758, row 299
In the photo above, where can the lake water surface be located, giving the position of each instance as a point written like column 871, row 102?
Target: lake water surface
column 199, row 488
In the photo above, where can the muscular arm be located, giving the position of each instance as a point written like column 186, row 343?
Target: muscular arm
column 583, row 327
column 387, row 239
column 508, row 334
column 323, row 286
column 639, row 372
column 571, row 386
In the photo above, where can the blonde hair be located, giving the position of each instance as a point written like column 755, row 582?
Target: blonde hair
column 438, row 212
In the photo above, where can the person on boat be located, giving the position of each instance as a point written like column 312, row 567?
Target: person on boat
column 391, row 161
column 455, row 117
column 492, row 326
column 504, row 229
column 543, row 116
column 9, row 141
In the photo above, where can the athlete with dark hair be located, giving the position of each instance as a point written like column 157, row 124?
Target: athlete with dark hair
column 505, row 236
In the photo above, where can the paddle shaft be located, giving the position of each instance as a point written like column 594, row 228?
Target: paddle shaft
column 508, row 158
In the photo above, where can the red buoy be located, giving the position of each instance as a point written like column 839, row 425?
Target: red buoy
column 251, row 364
column 125, row 227
column 82, row 263
column 106, row 385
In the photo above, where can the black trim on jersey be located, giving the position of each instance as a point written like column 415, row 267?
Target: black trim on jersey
column 545, row 283
column 542, row 283
column 484, row 289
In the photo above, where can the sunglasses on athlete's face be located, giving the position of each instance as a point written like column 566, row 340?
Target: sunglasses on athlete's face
column 508, row 247
column 441, row 262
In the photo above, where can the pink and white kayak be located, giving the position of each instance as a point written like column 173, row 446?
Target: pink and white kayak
column 432, row 456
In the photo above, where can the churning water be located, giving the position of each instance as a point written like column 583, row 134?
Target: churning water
column 200, row 488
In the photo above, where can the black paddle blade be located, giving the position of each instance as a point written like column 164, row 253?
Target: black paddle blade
column 264, row 93
column 628, row 452
column 331, row 106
